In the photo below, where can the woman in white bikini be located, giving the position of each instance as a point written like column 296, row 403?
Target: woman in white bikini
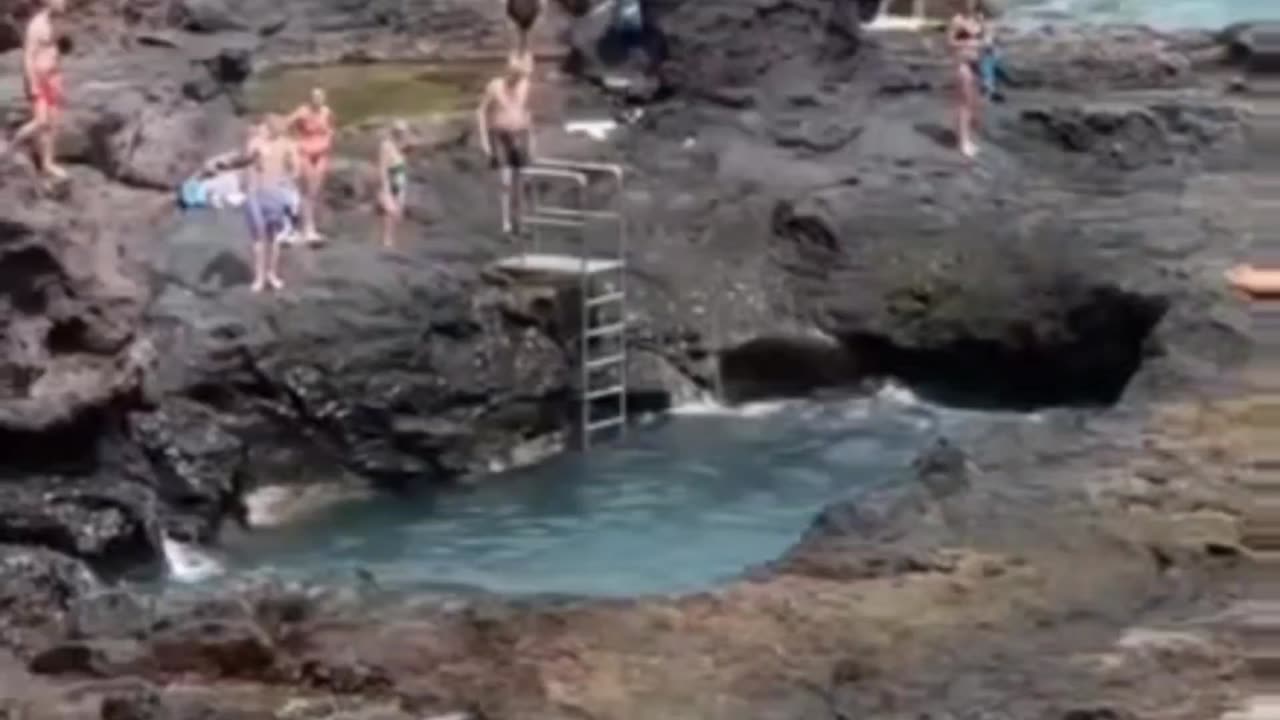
column 966, row 36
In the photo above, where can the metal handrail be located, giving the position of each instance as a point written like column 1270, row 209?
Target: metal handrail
column 572, row 214
column 585, row 167
column 555, row 173
column 577, row 218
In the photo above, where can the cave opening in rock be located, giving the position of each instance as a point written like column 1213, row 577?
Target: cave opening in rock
column 1085, row 357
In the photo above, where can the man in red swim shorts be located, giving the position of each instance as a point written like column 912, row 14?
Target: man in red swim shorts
column 41, row 67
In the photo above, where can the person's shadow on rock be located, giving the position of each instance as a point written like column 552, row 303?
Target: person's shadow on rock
column 226, row 270
column 943, row 136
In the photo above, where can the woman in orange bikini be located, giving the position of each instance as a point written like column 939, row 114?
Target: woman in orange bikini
column 313, row 122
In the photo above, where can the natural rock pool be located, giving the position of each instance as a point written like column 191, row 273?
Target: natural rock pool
column 679, row 506
column 366, row 92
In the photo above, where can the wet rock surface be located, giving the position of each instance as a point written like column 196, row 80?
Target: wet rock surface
column 800, row 221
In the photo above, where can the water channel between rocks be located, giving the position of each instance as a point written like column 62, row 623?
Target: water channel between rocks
column 678, row 506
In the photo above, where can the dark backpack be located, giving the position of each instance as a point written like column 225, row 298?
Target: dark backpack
column 524, row 13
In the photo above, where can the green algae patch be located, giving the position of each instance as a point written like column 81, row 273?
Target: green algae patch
column 361, row 93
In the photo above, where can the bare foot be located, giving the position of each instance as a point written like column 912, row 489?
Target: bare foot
column 56, row 173
column 258, row 286
column 969, row 149
column 275, row 281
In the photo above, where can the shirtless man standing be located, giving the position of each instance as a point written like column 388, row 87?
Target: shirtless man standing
column 272, row 167
column 506, row 131
column 41, row 67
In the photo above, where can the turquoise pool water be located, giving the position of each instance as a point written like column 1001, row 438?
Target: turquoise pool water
column 1171, row 14
column 679, row 506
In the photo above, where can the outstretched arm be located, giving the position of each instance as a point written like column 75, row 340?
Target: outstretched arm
column 30, row 45
column 384, row 170
column 482, row 121
column 293, row 159
column 1254, row 281
column 235, row 160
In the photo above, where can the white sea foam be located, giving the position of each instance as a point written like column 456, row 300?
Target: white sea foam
column 274, row 505
column 188, row 563
column 598, row 130
column 708, row 406
column 898, row 394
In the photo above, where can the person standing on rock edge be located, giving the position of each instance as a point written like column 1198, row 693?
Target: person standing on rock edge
column 966, row 36
column 393, row 180
column 505, row 127
column 273, row 166
column 313, row 122
column 42, row 70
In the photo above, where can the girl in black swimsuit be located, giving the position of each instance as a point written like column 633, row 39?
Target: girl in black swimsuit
column 965, row 37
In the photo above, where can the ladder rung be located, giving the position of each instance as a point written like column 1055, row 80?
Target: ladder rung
column 608, row 423
column 582, row 167
column 562, row 172
column 570, row 213
column 606, row 299
column 605, row 330
column 550, row 221
column 606, row 361
column 606, row 392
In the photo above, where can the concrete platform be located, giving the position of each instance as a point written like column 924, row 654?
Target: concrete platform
column 551, row 264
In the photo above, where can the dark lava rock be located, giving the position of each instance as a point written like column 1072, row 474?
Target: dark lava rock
column 134, row 706
column 65, row 340
column 942, row 468
column 107, row 526
column 784, row 367
column 719, row 49
column 1254, row 45
column 10, row 35
column 1098, row 713
column 214, row 649
column 988, row 321
column 1136, row 137
column 344, row 678
column 199, row 467
column 210, row 15
column 431, row 381
column 153, row 705
column 38, row 588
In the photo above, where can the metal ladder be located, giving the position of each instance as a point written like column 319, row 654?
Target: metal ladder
column 602, row 288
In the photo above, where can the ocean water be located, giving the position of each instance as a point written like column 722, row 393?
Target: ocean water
column 680, row 506
column 1166, row 14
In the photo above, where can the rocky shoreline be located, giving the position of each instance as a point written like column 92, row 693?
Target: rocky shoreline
column 805, row 168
